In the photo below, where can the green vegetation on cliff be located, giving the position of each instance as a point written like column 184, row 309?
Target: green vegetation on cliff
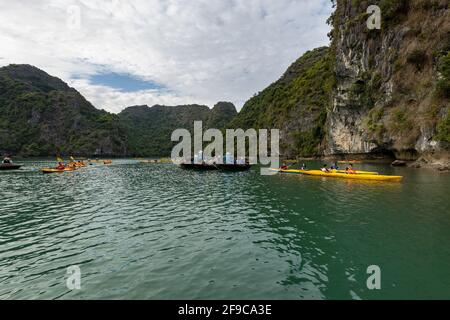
column 392, row 84
column 40, row 115
column 373, row 91
column 443, row 128
column 443, row 85
column 149, row 130
column 443, row 90
column 296, row 104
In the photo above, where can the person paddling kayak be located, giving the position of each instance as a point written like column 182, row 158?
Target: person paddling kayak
column 335, row 166
column 60, row 166
column 350, row 170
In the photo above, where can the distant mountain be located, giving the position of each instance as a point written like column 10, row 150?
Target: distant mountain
column 149, row 129
column 40, row 115
column 221, row 115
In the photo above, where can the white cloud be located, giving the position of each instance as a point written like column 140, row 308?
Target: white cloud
column 203, row 51
column 113, row 100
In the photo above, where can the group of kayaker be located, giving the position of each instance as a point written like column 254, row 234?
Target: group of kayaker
column 348, row 170
column 286, row 167
column 62, row 167
column 71, row 165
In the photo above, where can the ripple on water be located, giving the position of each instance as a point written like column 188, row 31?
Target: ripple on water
column 156, row 231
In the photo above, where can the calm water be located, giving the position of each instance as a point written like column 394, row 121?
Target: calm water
column 158, row 232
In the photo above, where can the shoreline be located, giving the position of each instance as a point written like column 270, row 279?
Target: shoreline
column 440, row 164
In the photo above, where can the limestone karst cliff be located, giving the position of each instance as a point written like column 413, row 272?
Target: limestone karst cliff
column 392, row 85
column 383, row 92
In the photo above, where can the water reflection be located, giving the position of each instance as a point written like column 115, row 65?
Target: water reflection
column 156, row 231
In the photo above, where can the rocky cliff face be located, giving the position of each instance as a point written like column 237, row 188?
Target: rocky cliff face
column 373, row 93
column 392, row 90
column 40, row 115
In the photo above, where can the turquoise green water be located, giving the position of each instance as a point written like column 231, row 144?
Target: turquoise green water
column 158, row 232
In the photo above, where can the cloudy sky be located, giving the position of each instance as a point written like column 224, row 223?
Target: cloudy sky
column 119, row 53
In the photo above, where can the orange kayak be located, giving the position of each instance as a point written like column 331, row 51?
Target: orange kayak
column 54, row 170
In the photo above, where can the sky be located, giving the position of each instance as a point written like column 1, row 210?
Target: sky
column 119, row 53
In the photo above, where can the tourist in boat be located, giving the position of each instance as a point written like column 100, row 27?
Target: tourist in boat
column 60, row 166
column 284, row 167
column 325, row 168
column 350, row 170
column 335, row 166
column 303, row 166
column 7, row 160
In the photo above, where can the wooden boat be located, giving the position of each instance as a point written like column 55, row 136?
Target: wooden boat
column 222, row 167
column 199, row 167
column 9, row 166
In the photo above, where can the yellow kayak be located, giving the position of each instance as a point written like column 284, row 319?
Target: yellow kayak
column 53, row 170
column 357, row 172
column 333, row 171
column 353, row 176
column 344, row 175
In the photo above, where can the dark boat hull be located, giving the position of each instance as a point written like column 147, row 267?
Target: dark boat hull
column 199, row 167
column 222, row 167
column 234, row 167
column 10, row 167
